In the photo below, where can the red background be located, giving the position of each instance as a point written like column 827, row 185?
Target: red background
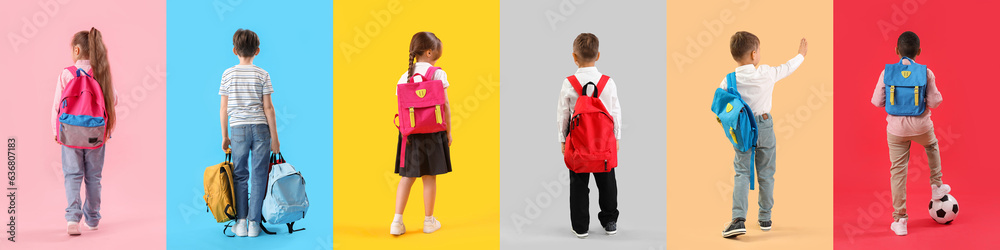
column 959, row 44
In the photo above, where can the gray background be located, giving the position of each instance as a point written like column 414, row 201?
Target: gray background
column 535, row 57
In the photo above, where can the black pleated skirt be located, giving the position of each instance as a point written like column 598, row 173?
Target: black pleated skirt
column 426, row 154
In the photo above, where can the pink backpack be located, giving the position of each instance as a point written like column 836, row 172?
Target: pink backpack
column 82, row 115
column 421, row 106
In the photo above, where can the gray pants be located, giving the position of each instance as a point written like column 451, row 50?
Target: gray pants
column 83, row 165
column 250, row 143
column 765, row 164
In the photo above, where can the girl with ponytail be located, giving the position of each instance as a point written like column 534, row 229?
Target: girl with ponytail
column 427, row 155
column 85, row 165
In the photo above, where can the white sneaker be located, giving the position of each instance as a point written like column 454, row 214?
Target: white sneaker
column 90, row 227
column 579, row 235
column 73, row 228
column 240, row 229
column 899, row 227
column 254, row 229
column 431, row 225
column 939, row 192
column 397, row 228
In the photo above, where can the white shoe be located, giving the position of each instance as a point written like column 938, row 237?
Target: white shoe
column 899, row 227
column 240, row 229
column 90, row 227
column 431, row 225
column 579, row 235
column 73, row 228
column 939, row 192
column 397, row 228
column 254, row 229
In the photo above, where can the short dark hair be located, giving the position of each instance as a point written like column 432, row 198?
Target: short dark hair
column 585, row 47
column 245, row 42
column 742, row 43
column 908, row 44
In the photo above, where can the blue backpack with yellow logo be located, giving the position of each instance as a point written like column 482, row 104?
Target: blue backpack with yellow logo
column 905, row 88
column 736, row 119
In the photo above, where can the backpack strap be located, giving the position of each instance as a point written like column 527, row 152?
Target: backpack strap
column 78, row 71
column 576, row 84
column 600, row 85
column 731, row 82
column 425, row 76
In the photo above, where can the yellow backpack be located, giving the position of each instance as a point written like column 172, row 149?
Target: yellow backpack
column 219, row 194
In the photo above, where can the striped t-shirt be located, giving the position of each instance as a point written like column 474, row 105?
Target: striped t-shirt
column 245, row 85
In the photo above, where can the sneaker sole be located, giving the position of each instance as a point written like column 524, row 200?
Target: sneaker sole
column 734, row 233
column 611, row 232
column 765, row 229
column 73, row 230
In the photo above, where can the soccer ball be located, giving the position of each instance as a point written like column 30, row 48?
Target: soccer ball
column 944, row 210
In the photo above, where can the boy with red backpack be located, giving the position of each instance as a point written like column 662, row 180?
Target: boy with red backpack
column 589, row 118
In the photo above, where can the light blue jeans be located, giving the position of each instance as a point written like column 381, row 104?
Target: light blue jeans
column 765, row 162
column 250, row 143
column 83, row 166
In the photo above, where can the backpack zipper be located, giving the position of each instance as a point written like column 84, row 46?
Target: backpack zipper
column 605, row 165
column 892, row 95
column 916, row 96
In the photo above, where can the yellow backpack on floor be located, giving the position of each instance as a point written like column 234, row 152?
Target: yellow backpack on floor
column 219, row 194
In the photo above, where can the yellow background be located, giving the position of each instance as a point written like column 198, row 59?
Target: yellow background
column 699, row 158
column 365, row 137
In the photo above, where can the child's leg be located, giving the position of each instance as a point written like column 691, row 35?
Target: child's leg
column 899, row 155
column 430, row 191
column 261, row 152
column 930, row 143
column 241, row 153
column 579, row 201
column 72, row 164
column 607, row 189
column 765, row 166
column 403, row 193
column 92, row 177
column 741, row 183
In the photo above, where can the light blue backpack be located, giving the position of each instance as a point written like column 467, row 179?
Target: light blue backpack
column 905, row 88
column 737, row 120
column 285, row 201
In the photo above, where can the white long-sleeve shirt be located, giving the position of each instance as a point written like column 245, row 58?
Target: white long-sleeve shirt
column 756, row 84
column 64, row 77
column 568, row 96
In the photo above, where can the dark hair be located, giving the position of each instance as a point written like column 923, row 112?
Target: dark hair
column 246, row 42
column 908, row 44
column 92, row 47
column 585, row 47
column 742, row 43
column 420, row 44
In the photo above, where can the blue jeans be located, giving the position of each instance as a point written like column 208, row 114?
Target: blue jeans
column 765, row 162
column 83, row 165
column 247, row 140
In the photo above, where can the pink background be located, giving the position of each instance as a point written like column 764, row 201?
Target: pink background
column 134, row 171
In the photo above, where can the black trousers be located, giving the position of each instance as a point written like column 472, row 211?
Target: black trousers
column 579, row 199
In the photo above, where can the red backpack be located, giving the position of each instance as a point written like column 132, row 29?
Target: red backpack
column 421, row 106
column 591, row 146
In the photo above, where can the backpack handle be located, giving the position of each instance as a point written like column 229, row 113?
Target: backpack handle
column 582, row 91
column 424, row 76
column 906, row 58
column 590, row 84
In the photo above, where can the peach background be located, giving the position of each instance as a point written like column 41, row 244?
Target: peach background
column 699, row 160
column 133, row 177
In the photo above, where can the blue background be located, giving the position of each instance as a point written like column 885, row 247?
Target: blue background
column 296, row 49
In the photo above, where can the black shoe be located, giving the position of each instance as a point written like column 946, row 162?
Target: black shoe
column 735, row 228
column 765, row 225
column 611, row 228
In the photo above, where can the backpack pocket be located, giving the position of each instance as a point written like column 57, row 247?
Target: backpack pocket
column 81, row 136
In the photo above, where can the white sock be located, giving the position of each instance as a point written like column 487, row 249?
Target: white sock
column 428, row 218
column 397, row 218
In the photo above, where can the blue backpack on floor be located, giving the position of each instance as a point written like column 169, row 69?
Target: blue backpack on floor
column 905, row 88
column 285, row 201
column 737, row 120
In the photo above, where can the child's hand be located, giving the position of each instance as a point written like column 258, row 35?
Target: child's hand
column 618, row 146
column 562, row 148
column 275, row 146
column 803, row 47
column 225, row 143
